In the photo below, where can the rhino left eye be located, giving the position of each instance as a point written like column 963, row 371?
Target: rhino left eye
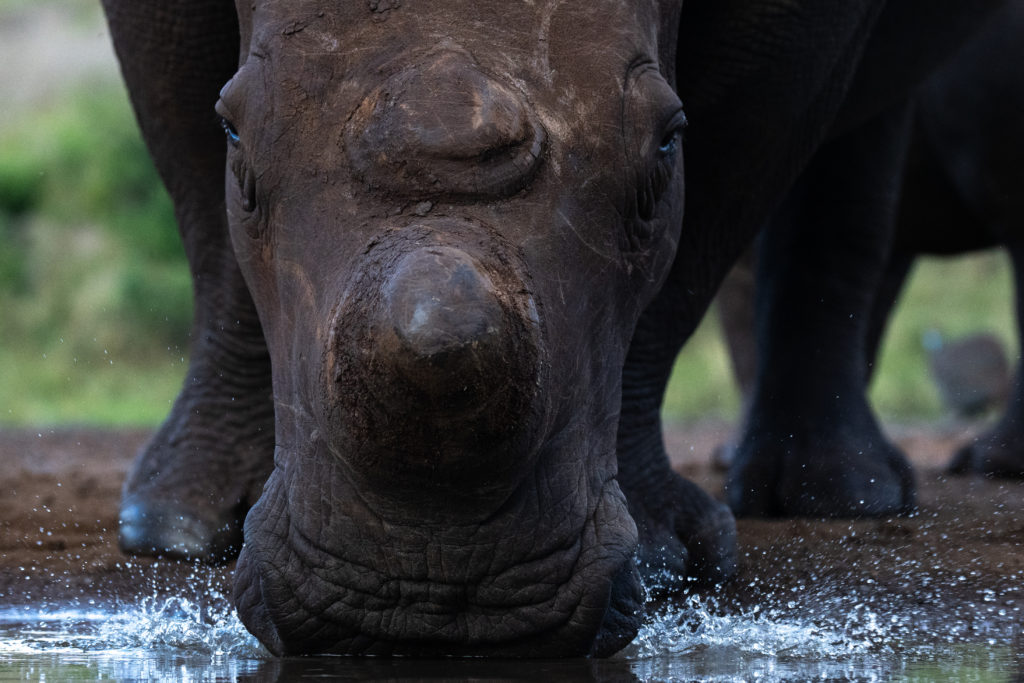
column 668, row 146
column 230, row 131
column 653, row 123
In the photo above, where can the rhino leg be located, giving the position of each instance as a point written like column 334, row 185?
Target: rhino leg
column 191, row 485
column 683, row 531
column 681, row 528
column 811, row 445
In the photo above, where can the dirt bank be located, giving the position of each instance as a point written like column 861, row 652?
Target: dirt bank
column 956, row 566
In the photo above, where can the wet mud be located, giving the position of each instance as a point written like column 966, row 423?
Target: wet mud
column 951, row 573
column 59, row 495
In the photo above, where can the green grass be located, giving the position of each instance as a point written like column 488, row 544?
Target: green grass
column 955, row 296
column 95, row 290
column 58, row 387
column 702, row 384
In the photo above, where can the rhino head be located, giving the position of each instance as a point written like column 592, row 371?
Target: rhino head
column 450, row 216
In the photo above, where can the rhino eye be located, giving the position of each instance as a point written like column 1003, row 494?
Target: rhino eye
column 670, row 142
column 230, row 131
column 662, row 169
column 668, row 146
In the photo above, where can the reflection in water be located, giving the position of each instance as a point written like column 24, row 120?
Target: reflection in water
column 179, row 639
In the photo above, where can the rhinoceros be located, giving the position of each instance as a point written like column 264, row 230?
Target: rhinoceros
column 441, row 273
column 811, row 446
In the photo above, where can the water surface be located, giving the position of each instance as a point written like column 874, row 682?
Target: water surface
column 814, row 636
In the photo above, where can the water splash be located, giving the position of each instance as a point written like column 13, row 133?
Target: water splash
column 822, row 631
column 698, row 626
column 696, row 639
column 838, row 630
column 189, row 615
column 195, row 638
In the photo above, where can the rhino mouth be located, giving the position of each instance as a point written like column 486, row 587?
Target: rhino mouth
column 563, row 597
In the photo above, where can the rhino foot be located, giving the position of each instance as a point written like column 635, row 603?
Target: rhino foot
column 684, row 532
column 167, row 530
column 996, row 454
column 191, row 486
column 775, row 476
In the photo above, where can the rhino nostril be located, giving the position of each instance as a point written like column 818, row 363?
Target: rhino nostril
column 445, row 128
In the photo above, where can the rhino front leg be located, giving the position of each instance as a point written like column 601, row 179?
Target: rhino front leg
column 191, row 485
column 683, row 531
column 811, row 445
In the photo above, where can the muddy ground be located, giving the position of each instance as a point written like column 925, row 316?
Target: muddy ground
column 957, row 564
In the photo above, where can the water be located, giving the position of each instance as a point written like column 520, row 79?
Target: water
column 818, row 635
column 154, row 639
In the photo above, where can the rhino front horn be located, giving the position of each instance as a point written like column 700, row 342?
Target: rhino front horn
column 445, row 333
column 439, row 348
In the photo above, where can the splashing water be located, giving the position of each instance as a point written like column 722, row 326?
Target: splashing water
column 696, row 640
column 816, row 632
column 819, row 633
column 157, row 638
column 696, row 627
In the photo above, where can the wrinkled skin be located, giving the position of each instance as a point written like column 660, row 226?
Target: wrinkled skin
column 956, row 193
column 382, row 361
column 447, row 244
column 445, row 417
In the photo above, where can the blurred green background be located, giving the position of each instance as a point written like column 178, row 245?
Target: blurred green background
column 95, row 293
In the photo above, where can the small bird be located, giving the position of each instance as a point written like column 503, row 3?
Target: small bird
column 972, row 372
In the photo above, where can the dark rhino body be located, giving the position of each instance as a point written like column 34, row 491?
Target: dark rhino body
column 442, row 282
column 963, row 192
column 958, row 191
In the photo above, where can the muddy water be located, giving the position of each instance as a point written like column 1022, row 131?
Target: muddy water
column 935, row 596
